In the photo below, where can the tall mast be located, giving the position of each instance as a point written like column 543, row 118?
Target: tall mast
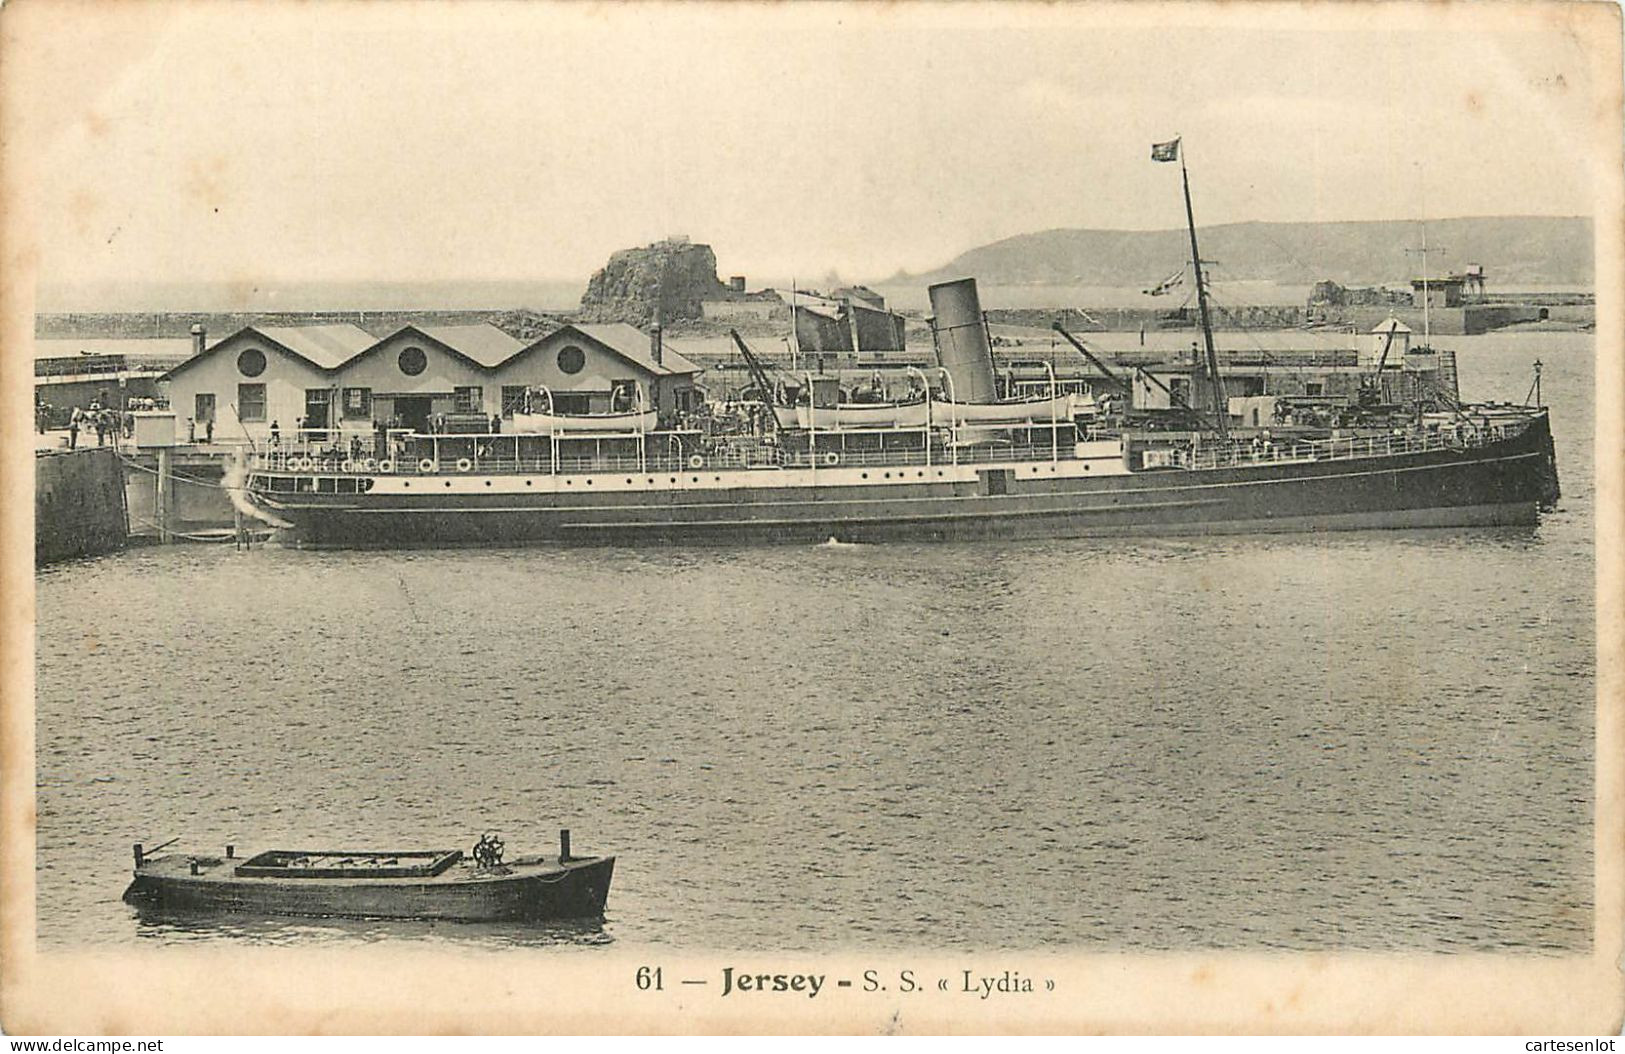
column 1221, row 409
column 1427, row 319
column 1427, row 324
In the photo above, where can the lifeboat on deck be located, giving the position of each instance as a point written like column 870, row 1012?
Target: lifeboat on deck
column 559, row 424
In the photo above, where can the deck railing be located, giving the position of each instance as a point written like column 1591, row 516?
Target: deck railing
column 660, row 458
column 326, row 460
column 1341, row 449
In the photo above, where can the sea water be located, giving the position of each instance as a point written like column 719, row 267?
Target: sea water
column 1370, row 740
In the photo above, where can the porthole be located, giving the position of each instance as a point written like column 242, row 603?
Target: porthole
column 251, row 363
column 571, row 359
column 412, row 361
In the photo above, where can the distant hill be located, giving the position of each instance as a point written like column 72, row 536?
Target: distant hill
column 1515, row 251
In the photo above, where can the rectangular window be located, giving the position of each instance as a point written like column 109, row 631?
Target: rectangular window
column 513, row 399
column 358, row 403
column 251, row 402
column 571, row 403
column 203, row 407
column 1314, row 389
column 318, row 409
column 467, row 400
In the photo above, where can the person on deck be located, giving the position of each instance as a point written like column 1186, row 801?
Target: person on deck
column 276, row 434
column 73, row 430
column 208, row 430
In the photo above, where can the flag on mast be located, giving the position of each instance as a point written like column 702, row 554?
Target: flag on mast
column 1168, row 151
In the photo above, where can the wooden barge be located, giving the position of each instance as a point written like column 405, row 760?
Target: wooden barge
column 413, row 884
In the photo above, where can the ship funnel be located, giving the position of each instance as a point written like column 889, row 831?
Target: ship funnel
column 960, row 335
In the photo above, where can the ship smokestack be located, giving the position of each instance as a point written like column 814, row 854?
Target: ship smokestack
column 960, row 334
column 200, row 337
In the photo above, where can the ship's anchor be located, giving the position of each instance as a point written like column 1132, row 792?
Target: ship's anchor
column 488, row 850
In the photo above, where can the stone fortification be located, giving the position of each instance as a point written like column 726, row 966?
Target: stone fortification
column 670, row 278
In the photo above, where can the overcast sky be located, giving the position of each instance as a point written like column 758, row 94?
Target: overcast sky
column 412, row 142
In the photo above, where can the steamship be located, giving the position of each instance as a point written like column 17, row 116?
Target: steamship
column 957, row 462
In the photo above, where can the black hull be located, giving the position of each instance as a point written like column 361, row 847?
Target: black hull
column 579, row 892
column 1498, row 483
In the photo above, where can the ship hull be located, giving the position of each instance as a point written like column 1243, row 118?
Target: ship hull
column 1499, row 483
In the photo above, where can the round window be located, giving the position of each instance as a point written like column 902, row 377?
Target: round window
column 251, row 363
column 413, row 361
column 571, row 359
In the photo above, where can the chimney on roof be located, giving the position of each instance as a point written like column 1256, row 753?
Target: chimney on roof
column 657, row 341
column 200, row 337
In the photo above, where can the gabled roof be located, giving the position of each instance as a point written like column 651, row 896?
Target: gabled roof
column 482, row 345
column 324, row 347
column 632, row 344
column 482, row 342
column 1392, row 324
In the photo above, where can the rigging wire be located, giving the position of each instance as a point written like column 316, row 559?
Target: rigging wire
column 183, row 477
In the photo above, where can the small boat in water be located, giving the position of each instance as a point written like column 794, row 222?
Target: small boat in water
column 415, row 884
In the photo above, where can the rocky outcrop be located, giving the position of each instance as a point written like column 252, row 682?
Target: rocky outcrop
column 668, row 278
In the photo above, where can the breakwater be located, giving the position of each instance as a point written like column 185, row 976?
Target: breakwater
column 153, row 324
column 79, row 504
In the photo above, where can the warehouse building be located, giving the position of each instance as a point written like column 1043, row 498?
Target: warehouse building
column 324, row 381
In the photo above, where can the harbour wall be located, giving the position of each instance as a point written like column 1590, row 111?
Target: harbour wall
column 79, row 504
column 1468, row 320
